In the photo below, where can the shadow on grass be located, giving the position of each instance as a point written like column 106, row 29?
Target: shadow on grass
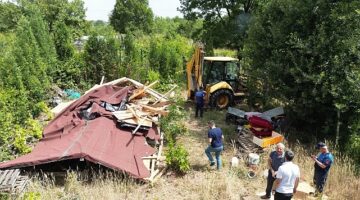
column 200, row 167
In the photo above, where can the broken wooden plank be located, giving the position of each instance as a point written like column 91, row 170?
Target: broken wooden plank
column 3, row 175
column 123, row 114
column 153, row 163
column 8, row 176
column 161, row 104
column 139, row 120
column 136, row 129
column 146, row 163
column 149, row 157
column 161, row 143
column 167, row 93
column 158, row 175
column 20, row 188
column 128, row 114
column 141, row 90
column 135, row 122
column 114, row 82
column 150, row 91
column 156, row 110
column 102, row 80
column 14, row 177
column 61, row 106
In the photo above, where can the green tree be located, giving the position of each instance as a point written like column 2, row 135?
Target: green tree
column 42, row 36
column 131, row 15
column 166, row 55
column 173, row 26
column 9, row 16
column 304, row 54
column 101, row 28
column 29, row 67
column 63, row 41
column 225, row 22
column 101, row 58
column 71, row 13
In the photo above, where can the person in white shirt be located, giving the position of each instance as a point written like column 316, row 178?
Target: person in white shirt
column 287, row 178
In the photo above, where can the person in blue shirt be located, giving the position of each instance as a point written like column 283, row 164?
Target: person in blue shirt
column 199, row 100
column 322, row 166
column 215, row 137
column 275, row 160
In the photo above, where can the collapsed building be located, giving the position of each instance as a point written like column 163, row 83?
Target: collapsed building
column 115, row 125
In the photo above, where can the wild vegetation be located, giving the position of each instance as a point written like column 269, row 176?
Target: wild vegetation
column 303, row 55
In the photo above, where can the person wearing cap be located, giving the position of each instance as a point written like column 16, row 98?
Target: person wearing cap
column 215, row 137
column 199, row 100
column 276, row 159
column 322, row 166
column 287, row 178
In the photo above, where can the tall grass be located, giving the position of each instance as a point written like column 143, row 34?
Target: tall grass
column 107, row 186
column 202, row 181
column 342, row 183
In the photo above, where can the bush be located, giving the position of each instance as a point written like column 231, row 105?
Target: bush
column 225, row 52
column 176, row 155
column 153, row 76
column 32, row 196
column 353, row 148
column 172, row 124
column 177, row 158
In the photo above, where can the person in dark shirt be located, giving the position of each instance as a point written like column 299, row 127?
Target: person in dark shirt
column 199, row 100
column 322, row 166
column 276, row 159
column 215, row 137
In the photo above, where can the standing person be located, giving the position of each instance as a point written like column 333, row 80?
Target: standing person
column 322, row 166
column 276, row 159
column 216, row 137
column 199, row 100
column 287, row 178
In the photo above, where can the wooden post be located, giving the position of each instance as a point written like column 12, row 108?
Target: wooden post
column 102, row 80
column 167, row 93
column 141, row 90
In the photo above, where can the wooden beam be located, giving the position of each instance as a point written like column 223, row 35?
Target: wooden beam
column 3, row 175
column 14, row 177
column 167, row 93
column 102, row 80
column 123, row 114
column 141, row 90
column 150, row 91
column 155, row 110
column 158, row 175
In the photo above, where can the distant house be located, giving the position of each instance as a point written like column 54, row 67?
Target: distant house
column 80, row 42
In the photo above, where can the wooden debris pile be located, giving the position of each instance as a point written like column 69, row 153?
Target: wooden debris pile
column 12, row 182
column 143, row 107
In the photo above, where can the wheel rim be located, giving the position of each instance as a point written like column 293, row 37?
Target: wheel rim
column 222, row 101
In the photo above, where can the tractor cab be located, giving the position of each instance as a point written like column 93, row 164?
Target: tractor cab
column 217, row 69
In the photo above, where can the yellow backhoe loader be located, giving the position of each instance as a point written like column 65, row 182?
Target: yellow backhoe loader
column 218, row 75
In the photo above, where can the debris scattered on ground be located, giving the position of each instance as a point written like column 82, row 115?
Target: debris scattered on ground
column 113, row 125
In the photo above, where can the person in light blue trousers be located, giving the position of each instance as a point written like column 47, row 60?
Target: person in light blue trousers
column 216, row 146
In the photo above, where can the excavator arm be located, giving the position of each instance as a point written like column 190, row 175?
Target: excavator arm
column 194, row 71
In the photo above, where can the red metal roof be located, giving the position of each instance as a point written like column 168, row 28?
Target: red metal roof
column 100, row 141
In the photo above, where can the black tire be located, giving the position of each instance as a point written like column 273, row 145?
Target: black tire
column 221, row 99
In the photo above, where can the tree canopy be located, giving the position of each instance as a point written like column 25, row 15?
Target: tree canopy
column 225, row 22
column 306, row 54
column 131, row 15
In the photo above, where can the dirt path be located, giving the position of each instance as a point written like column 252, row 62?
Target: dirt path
column 203, row 181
